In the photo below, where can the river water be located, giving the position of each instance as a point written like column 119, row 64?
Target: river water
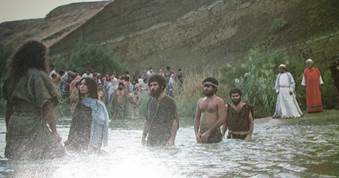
column 277, row 150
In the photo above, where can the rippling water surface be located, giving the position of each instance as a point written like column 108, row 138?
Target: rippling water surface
column 277, row 150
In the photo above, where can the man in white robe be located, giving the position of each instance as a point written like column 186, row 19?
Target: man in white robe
column 286, row 105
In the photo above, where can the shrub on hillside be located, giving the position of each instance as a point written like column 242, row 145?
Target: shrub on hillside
column 90, row 56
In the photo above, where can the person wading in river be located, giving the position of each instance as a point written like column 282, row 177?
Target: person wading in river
column 31, row 100
column 162, row 121
column 239, row 119
column 210, row 114
column 89, row 127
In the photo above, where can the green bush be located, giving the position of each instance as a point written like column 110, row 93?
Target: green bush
column 256, row 76
column 330, row 98
column 89, row 56
column 278, row 24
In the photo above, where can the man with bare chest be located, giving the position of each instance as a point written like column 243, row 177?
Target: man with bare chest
column 120, row 103
column 239, row 118
column 210, row 114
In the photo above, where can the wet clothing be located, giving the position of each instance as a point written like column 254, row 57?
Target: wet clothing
column 99, row 124
column 159, row 117
column 89, row 126
column 334, row 68
column 79, row 133
column 215, row 136
column 236, row 136
column 238, row 121
column 312, row 81
column 28, row 136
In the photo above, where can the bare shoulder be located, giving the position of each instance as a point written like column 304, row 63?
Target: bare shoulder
column 201, row 100
column 226, row 106
column 219, row 100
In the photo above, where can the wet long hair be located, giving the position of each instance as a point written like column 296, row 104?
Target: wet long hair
column 30, row 55
column 92, row 87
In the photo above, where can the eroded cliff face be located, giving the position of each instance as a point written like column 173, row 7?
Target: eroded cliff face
column 55, row 26
column 188, row 33
column 198, row 33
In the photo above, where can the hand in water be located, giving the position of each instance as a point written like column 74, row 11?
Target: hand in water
column 248, row 137
column 57, row 136
column 199, row 138
column 143, row 141
column 170, row 142
column 205, row 136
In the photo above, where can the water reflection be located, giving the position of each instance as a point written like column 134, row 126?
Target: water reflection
column 277, row 150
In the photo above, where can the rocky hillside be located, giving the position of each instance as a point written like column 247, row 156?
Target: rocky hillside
column 187, row 33
column 55, row 26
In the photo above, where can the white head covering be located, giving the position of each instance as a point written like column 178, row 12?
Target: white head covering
column 283, row 66
column 309, row 61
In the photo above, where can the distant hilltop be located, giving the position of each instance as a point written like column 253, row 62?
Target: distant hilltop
column 185, row 33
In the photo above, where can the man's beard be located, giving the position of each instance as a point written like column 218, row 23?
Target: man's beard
column 236, row 101
column 156, row 93
column 208, row 94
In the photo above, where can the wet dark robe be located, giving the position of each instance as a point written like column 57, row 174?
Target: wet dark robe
column 238, row 121
column 79, row 133
column 160, row 116
column 335, row 75
column 215, row 136
column 28, row 136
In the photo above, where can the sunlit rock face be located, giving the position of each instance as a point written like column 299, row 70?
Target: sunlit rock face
column 55, row 26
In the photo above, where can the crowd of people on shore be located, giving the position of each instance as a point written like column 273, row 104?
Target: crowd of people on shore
column 123, row 94
column 32, row 93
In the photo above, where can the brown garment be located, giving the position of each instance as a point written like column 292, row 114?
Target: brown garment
column 334, row 68
column 28, row 136
column 238, row 121
column 215, row 136
column 79, row 133
column 160, row 116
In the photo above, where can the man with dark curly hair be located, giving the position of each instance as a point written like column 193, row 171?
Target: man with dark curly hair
column 162, row 121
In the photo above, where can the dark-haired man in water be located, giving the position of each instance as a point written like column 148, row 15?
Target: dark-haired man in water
column 162, row 121
column 210, row 114
column 239, row 119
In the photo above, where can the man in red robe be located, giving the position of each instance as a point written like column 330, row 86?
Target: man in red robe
column 312, row 81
